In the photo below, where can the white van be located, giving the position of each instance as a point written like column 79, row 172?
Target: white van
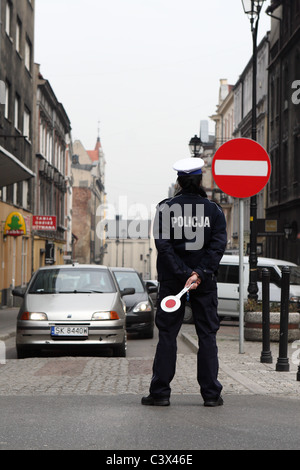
column 228, row 282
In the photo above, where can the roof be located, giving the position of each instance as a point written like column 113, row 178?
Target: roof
column 73, row 266
column 94, row 154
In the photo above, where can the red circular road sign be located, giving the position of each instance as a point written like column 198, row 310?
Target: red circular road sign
column 241, row 168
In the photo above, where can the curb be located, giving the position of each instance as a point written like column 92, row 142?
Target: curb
column 6, row 336
column 187, row 338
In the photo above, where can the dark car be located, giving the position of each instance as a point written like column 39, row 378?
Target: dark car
column 140, row 308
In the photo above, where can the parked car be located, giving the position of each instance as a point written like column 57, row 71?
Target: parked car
column 71, row 307
column 228, row 282
column 140, row 308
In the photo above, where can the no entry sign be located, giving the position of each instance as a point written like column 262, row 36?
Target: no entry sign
column 241, row 168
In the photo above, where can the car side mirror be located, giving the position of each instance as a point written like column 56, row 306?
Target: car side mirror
column 18, row 292
column 127, row 291
column 152, row 289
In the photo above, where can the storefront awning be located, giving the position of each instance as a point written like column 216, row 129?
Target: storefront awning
column 12, row 170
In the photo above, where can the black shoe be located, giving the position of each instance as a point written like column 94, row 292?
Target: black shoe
column 150, row 400
column 211, row 402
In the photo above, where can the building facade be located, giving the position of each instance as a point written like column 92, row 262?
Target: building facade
column 16, row 148
column 224, row 126
column 130, row 244
column 283, row 204
column 51, row 229
column 242, row 92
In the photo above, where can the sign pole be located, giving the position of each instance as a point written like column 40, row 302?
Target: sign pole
column 241, row 276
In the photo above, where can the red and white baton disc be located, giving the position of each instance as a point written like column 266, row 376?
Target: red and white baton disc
column 171, row 303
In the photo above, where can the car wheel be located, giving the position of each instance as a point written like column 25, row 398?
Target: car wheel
column 188, row 315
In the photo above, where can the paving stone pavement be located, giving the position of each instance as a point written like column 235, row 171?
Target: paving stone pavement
column 241, row 374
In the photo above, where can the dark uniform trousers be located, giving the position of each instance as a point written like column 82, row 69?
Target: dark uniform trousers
column 204, row 306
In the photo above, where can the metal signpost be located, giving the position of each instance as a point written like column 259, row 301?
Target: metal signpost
column 241, row 168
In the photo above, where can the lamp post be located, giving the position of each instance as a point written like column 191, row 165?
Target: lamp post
column 252, row 8
column 195, row 146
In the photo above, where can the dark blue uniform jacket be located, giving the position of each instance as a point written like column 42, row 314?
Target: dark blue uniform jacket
column 190, row 235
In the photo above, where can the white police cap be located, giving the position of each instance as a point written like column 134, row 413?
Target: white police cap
column 189, row 166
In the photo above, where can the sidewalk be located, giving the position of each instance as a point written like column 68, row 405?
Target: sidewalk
column 240, row 374
column 8, row 322
column 243, row 373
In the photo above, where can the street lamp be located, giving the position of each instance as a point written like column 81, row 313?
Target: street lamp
column 252, row 8
column 195, row 146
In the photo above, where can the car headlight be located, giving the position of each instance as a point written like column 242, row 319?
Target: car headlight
column 112, row 315
column 34, row 316
column 143, row 307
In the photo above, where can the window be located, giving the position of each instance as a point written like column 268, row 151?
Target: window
column 274, row 276
column 8, row 17
column 19, row 193
column 7, row 99
column 26, row 194
column 18, row 35
column 24, row 262
column 28, row 53
column 129, row 279
column 228, row 274
column 296, row 158
column 42, row 146
column 295, row 275
column 17, row 111
column 68, row 281
column 26, row 124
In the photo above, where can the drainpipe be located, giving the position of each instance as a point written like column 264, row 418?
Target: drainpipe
column 0, row 27
column 2, row 84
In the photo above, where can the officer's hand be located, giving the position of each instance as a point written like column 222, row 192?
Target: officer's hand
column 193, row 279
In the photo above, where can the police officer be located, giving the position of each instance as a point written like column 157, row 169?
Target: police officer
column 190, row 237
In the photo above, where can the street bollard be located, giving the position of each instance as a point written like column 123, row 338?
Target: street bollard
column 2, row 353
column 283, row 361
column 266, row 355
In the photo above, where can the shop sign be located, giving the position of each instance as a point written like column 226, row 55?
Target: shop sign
column 15, row 225
column 44, row 222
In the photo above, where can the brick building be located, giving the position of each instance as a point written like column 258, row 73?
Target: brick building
column 88, row 170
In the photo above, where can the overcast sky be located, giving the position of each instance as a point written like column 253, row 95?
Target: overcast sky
column 149, row 71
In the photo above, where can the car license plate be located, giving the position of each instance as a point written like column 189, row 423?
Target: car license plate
column 69, row 330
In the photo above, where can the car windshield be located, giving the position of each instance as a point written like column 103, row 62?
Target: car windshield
column 127, row 279
column 66, row 281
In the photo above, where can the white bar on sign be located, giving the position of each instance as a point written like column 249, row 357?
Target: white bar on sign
column 241, row 168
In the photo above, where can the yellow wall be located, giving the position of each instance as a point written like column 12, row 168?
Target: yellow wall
column 20, row 256
column 39, row 258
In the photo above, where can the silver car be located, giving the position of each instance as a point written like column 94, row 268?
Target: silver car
column 71, row 307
